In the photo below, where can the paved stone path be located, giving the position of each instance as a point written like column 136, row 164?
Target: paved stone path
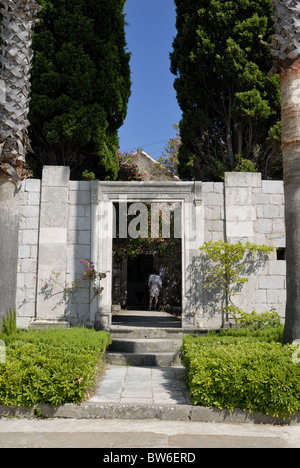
column 149, row 385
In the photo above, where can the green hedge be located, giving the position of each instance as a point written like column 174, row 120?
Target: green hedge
column 50, row 366
column 246, row 370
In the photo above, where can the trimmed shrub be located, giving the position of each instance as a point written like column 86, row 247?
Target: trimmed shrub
column 50, row 366
column 249, row 371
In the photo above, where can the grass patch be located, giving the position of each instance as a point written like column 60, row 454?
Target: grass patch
column 246, row 369
column 50, row 366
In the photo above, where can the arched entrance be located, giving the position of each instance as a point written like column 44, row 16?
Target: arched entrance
column 186, row 195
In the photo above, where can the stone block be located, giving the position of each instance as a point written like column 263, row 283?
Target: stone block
column 212, row 212
column 74, row 267
column 259, row 211
column 240, row 213
column 52, row 257
column 27, row 309
column 242, row 179
column 277, row 267
column 84, row 185
column 207, row 187
column 82, row 223
column 24, row 251
column 55, row 194
column 33, row 251
column 261, row 296
column 276, row 199
column 276, row 296
column 76, row 210
column 217, row 236
column 214, row 226
column 79, row 251
column 260, row 198
column 54, row 215
column 215, row 199
column 56, row 176
column 279, row 225
column 218, row 187
column 271, row 211
column 31, row 211
column 263, row 226
column 23, row 197
column 33, row 198
column 239, row 229
column 23, row 324
column 28, row 266
column 81, row 197
column 30, row 280
column 32, row 185
column 74, row 185
column 84, row 237
column 53, row 236
column 30, row 237
column 238, row 196
column 272, row 186
column 271, row 282
column 21, row 280
column 72, row 237
column 279, row 240
column 32, row 223
column 30, row 295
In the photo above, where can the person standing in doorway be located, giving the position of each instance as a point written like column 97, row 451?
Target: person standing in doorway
column 155, row 287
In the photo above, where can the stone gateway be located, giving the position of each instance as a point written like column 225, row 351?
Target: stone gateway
column 63, row 221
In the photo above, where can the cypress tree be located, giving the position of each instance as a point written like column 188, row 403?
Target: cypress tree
column 231, row 107
column 80, row 86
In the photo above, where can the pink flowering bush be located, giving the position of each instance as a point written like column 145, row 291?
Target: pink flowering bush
column 89, row 273
column 128, row 169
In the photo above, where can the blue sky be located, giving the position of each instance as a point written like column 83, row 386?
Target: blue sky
column 153, row 108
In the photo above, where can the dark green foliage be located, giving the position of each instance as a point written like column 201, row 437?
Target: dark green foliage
column 50, row 366
column 231, row 108
column 80, row 86
column 246, row 369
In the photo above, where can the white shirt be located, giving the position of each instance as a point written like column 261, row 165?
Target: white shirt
column 155, row 280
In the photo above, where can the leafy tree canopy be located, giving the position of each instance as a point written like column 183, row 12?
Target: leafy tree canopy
column 80, row 85
column 231, row 107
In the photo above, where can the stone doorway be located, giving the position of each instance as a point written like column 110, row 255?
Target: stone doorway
column 186, row 194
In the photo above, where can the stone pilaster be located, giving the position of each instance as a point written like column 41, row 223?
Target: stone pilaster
column 52, row 249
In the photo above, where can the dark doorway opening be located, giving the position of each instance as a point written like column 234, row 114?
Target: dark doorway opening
column 138, row 271
column 134, row 257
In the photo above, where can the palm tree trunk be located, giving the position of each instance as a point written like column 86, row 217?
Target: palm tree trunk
column 290, row 90
column 16, row 34
column 286, row 50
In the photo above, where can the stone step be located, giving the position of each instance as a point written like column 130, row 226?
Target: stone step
column 143, row 359
column 42, row 324
column 144, row 351
column 152, row 333
column 145, row 345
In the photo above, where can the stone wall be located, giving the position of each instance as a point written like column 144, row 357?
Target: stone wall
column 56, row 232
column 250, row 209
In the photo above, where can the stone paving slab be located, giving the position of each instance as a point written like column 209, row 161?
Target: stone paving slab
column 147, row 385
column 143, row 434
